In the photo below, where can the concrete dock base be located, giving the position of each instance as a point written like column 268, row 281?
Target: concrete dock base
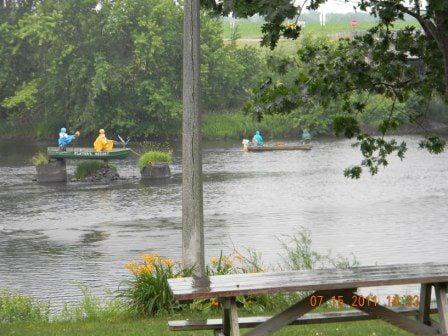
column 51, row 172
column 156, row 171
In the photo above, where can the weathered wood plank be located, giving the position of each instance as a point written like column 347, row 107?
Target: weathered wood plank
column 392, row 317
column 385, row 272
column 289, row 315
column 310, row 280
column 311, row 318
column 441, row 290
column 318, row 273
column 425, row 302
column 377, row 269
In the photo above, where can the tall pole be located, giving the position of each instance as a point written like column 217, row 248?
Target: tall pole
column 192, row 199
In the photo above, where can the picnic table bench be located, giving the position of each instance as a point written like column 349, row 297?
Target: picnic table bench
column 323, row 285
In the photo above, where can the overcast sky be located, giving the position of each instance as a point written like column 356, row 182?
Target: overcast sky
column 336, row 6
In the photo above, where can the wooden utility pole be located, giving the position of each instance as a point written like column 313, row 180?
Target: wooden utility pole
column 192, row 199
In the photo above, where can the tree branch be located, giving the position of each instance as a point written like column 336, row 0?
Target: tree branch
column 428, row 26
column 417, row 6
column 300, row 11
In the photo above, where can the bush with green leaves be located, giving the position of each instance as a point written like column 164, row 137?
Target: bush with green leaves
column 148, row 292
column 91, row 167
column 151, row 157
column 40, row 159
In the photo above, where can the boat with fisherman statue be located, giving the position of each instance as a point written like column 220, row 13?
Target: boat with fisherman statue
column 248, row 146
column 74, row 153
column 103, row 148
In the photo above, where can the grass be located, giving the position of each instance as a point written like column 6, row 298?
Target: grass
column 152, row 157
column 90, row 168
column 344, row 27
column 246, row 29
column 252, row 30
column 158, row 326
column 39, row 159
column 93, row 309
column 15, row 307
column 21, row 315
column 249, row 33
column 239, row 126
column 91, row 318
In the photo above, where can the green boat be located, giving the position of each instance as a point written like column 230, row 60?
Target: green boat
column 74, row 153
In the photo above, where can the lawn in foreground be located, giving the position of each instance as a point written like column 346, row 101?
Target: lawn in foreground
column 159, row 327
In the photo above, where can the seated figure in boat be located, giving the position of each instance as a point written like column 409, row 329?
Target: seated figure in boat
column 306, row 136
column 66, row 139
column 258, row 139
column 246, row 144
column 102, row 144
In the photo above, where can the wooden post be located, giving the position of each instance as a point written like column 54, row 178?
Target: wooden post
column 226, row 327
column 230, row 326
column 442, row 306
column 192, row 199
column 425, row 304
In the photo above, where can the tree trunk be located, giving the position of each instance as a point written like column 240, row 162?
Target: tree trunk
column 440, row 34
column 445, row 63
column 192, row 199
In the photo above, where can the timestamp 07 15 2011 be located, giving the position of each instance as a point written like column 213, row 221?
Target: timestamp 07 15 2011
column 338, row 301
column 360, row 301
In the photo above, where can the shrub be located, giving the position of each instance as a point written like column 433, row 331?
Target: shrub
column 148, row 292
column 151, row 157
column 39, row 159
column 90, row 168
column 18, row 308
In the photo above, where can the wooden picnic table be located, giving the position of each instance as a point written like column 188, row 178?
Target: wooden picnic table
column 323, row 285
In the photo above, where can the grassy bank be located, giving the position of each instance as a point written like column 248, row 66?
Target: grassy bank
column 158, row 326
column 239, row 126
column 252, row 30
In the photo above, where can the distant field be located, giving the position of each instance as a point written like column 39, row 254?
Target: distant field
column 252, row 30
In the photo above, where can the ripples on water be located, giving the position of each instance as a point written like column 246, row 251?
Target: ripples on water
column 53, row 238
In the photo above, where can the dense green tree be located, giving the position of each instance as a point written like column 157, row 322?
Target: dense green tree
column 14, row 66
column 116, row 65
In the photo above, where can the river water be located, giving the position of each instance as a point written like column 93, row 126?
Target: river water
column 55, row 238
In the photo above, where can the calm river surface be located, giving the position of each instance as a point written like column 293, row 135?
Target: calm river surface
column 54, row 238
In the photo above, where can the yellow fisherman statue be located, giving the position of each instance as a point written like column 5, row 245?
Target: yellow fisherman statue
column 102, row 144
